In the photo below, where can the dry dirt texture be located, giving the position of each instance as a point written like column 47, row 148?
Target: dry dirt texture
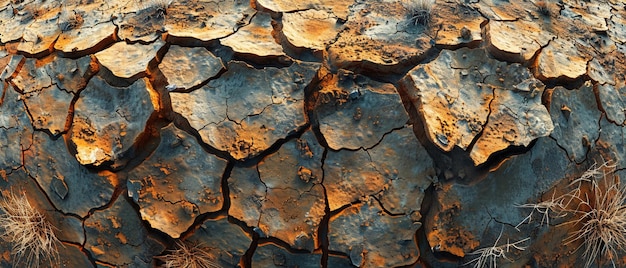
column 310, row 133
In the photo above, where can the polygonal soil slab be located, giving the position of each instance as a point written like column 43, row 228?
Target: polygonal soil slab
column 71, row 75
column 372, row 238
column 39, row 36
column 117, row 236
column 398, row 170
column 455, row 108
column 575, row 115
column 49, row 109
column 86, row 27
column 340, row 8
column 612, row 143
column 206, row 20
column 255, row 38
column 13, row 23
column 297, row 164
column 189, row 67
column 128, row 60
column 225, row 242
column 71, row 187
column 15, row 131
column 247, row 109
column 511, row 11
column 456, row 29
column 289, row 177
column 401, row 158
column 108, row 120
column 355, row 112
column 365, row 44
column 310, row 29
column 516, row 41
column 30, row 78
column 561, row 60
column 271, row 255
column 613, row 101
column 466, row 217
column 144, row 25
column 178, row 182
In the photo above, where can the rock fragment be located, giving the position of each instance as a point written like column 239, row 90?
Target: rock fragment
column 372, row 238
column 108, row 120
column 173, row 186
column 128, row 60
column 187, row 68
column 247, row 110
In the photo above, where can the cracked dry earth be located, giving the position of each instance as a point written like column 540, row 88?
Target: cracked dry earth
column 307, row 133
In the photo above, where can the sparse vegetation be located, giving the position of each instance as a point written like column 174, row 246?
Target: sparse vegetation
column 489, row 256
column 543, row 8
column 30, row 233
column 188, row 256
column 419, row 11
column 596, row 210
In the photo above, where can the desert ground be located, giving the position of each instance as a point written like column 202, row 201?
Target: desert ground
column 313, row 133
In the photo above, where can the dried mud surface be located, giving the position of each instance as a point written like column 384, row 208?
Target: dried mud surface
column 310, row 133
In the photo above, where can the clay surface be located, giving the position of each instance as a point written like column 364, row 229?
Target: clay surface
column 314, row 133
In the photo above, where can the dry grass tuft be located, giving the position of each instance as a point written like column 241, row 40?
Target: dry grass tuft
column 419, row 11
column 488, row 257
column 596, row 210
column 30, row 233
column 188, row 256
column 600, row 216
